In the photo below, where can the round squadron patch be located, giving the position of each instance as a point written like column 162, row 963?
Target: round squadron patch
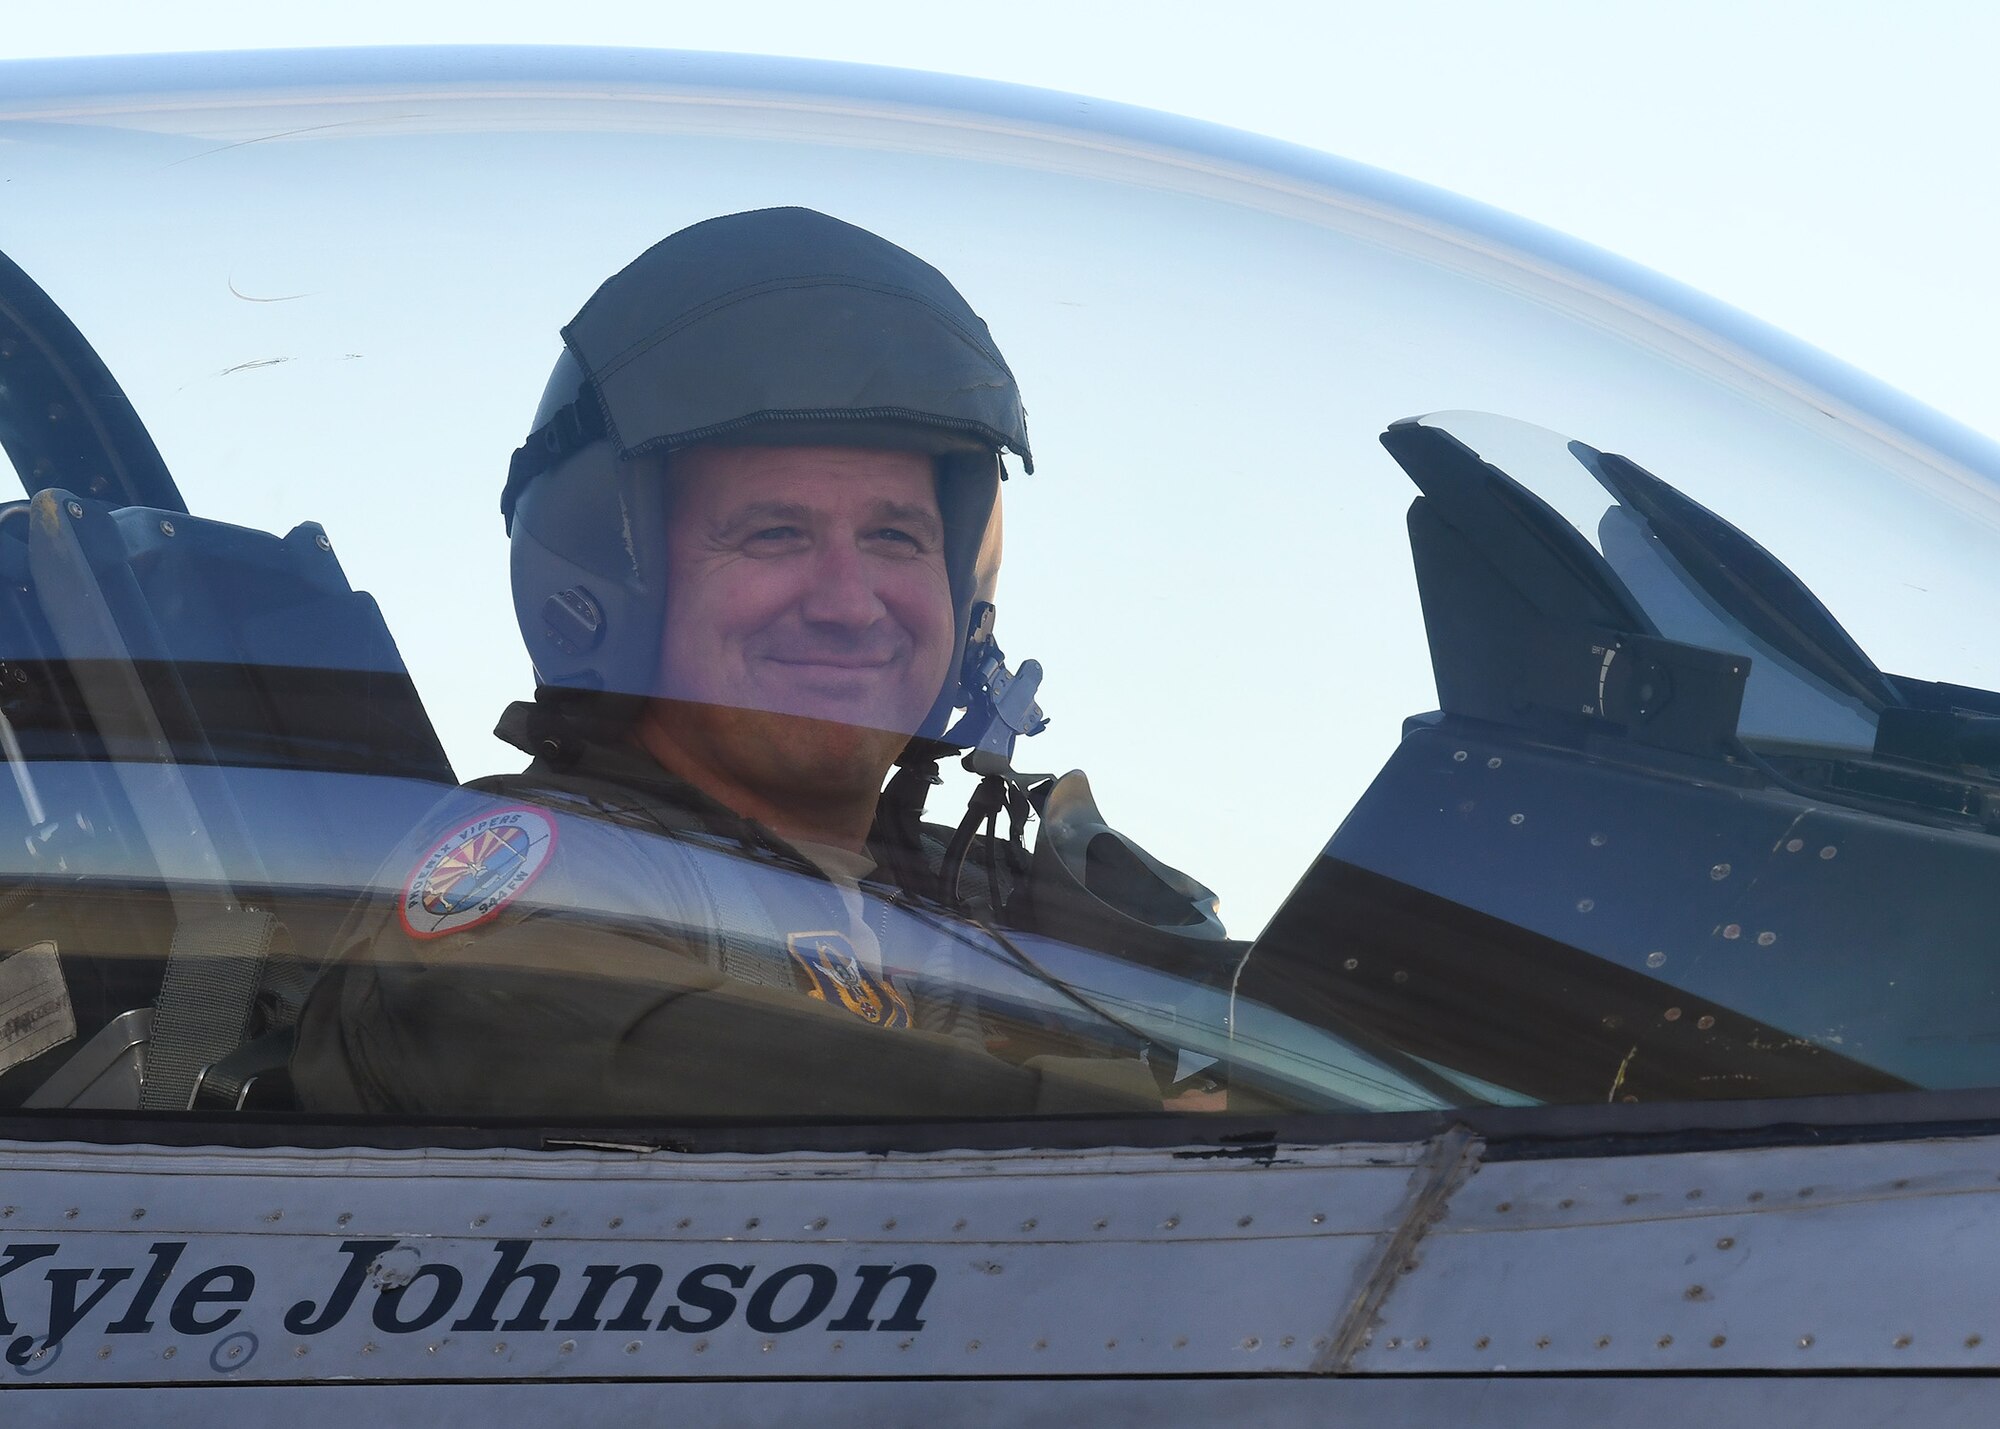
column 475, row 871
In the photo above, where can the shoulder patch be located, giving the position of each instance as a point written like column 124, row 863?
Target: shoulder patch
column 476, row 870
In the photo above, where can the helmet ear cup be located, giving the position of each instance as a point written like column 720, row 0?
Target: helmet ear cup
column 588, row 565
column 968, row 491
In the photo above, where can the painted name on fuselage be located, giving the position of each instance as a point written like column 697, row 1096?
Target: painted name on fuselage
column 393, row 1288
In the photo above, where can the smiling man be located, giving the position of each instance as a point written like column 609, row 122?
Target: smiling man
column 754, row 534
column 808, row 631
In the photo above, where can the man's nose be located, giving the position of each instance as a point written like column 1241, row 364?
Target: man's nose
column 842, row 591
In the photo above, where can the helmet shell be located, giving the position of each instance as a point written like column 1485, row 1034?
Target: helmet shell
column 775, row 327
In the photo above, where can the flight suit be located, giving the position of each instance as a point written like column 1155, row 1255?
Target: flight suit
column 600, row 940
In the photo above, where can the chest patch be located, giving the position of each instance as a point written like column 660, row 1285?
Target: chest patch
column 837, row 976
column 476, row 870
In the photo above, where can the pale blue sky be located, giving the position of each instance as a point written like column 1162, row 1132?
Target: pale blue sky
column 1828, row 167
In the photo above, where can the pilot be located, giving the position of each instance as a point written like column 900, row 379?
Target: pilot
column 754, row 538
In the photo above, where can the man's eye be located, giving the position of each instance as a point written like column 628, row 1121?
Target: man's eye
column 774, row 535
column 894, row 535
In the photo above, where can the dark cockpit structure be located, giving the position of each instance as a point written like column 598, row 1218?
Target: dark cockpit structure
column 1664, row 836
column 181, row 704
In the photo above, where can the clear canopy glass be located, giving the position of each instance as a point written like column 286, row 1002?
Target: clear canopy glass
column 1648, row 756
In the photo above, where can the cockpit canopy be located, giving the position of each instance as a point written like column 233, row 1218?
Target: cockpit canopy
column 1623, row 730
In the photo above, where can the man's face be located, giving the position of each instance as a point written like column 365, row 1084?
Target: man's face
column 808, row 614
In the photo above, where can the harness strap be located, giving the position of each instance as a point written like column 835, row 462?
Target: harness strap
column 982, row 808
column 898, row 832
column 213, row 967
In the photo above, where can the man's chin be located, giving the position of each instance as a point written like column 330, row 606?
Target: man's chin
column 814, row 751
column 841, row 750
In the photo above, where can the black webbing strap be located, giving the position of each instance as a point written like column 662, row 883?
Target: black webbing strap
column 573, row 427
column 213, row 968
column 984, row 807
column 897, row 838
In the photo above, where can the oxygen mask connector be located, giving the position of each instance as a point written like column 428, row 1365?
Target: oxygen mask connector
column 1000, row 705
